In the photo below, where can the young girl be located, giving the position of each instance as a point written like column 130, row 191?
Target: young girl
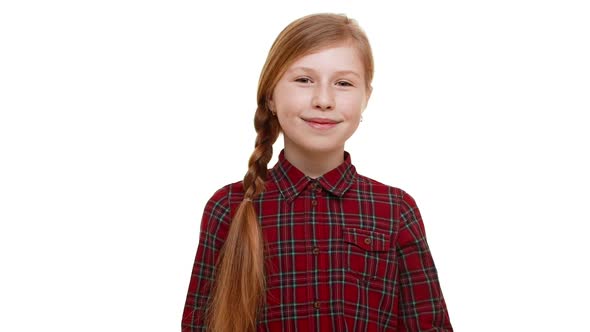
column 310, row 244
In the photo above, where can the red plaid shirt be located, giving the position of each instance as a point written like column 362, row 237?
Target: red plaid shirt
column 344, row 253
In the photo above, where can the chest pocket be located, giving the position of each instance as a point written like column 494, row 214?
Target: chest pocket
column 366, row 253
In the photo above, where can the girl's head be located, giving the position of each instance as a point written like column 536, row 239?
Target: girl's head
column 319, row 67
column 288, row 95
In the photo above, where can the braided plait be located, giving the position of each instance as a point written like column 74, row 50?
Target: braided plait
column 268, row 129
column 241, row 260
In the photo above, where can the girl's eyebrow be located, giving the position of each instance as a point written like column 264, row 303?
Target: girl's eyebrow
column 337, row 72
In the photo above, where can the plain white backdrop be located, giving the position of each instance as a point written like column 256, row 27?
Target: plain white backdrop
column 119, row 119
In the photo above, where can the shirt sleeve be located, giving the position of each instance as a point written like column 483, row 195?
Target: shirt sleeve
column 421, row 304
column 213, row 230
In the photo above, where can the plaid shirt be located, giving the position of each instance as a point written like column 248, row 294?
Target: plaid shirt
column 343, row 253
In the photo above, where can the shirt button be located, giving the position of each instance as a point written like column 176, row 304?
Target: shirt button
column 316, row 250
column 367, row 240
column 314, row 202
column 316, row 304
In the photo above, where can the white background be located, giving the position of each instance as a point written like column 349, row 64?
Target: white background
column 119, row 119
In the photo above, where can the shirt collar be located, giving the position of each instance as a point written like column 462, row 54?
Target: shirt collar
column 291, row 181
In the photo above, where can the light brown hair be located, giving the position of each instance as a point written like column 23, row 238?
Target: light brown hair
column 239, row 288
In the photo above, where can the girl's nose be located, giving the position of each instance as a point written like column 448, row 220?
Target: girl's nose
column 323, row 98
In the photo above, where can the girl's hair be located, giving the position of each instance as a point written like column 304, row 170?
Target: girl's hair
column 239, row 288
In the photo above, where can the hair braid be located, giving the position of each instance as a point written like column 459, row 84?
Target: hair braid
column 241, row 260
column 267, row 127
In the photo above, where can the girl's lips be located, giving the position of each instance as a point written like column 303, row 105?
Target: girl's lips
column 317, row 125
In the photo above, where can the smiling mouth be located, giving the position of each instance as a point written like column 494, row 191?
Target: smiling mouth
column 321, row 124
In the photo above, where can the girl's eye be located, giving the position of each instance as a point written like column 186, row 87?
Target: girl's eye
column 302, row 80
column 345, row 83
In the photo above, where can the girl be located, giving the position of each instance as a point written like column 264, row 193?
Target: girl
column 310, row 244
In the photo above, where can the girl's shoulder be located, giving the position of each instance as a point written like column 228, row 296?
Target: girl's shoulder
column 228, row 194
column 377, row 188
column 231, row 195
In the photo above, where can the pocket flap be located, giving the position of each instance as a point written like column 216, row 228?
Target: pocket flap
column 366, row 239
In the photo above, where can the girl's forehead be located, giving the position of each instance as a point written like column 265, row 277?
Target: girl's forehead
column 340, row 57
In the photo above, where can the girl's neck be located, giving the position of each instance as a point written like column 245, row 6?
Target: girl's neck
column 314, row 163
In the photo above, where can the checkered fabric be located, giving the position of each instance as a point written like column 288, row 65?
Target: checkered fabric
column 343, row 253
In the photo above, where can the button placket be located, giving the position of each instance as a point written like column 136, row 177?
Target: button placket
column 314, row 188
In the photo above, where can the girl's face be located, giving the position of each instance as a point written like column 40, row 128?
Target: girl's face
column 320, row 98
